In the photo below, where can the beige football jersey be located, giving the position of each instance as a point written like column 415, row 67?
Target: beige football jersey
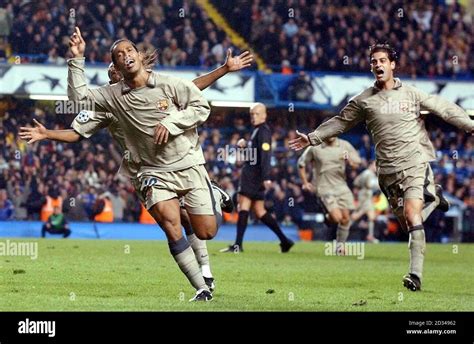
column 329, row 166
column 175, row 103
column 366, row 180
column 87, row 123
column 393, row 119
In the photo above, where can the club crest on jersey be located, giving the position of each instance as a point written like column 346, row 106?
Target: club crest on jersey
column 83, row 116
column 162, row 105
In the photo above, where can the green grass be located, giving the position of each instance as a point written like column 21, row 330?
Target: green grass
column 94, row 275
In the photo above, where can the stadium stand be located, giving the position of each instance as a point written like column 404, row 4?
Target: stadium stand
column 334, row 35
column 85, row 170
column 193, row 41
column 310, row 36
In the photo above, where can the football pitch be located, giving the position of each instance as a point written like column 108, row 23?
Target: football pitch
column 126, row 275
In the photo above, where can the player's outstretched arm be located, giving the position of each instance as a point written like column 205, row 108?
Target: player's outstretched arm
column 77, row 84
column 446, row 110
column 349, row 117
column 39, row 132
column 301, row 142
column 231, row 64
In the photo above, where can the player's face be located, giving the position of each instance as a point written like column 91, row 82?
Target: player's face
column 128, row 61
column 114, row 75
column 381, row 66
column 258, row 115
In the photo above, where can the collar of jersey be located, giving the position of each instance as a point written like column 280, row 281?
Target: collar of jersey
column 149, row 83
column 397, row 85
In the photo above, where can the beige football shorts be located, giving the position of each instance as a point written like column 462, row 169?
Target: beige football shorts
column 192, row 185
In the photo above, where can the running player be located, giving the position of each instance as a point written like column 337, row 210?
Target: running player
column 159, row 115
column 255, row 177
column 101, row 120
column 366, row 182
column 391, row 111
column 329, row 182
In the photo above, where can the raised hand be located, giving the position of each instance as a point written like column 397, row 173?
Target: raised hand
column 302, row 141
column 236, row 63
column 38, row 133
column 77, row 46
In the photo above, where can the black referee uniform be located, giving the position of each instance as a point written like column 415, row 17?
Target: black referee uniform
column 254, row 173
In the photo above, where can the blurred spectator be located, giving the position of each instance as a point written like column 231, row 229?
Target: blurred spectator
column 301, row 89
column 6, row 19
column 52, row 200
column 103, row 209
column 6, row 207
column 286, row 67
column 20, row 198
column 118, row 204
column 56, row 224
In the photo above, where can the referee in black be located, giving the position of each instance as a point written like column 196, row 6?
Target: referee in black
column 254, row 179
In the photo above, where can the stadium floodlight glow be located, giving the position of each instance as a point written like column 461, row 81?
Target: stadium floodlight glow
column 231, row 104
column 47, row 97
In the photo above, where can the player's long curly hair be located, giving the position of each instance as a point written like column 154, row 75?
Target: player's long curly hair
column 149, row 58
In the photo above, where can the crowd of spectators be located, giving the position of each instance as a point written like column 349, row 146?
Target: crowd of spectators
column 181, row 31
column 84, row 171
column 433, row 39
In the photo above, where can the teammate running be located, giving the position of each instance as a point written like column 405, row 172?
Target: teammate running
column 391, row 111
column 159, row 115
column 101, row 120
column 329, row 182
column 366, row 182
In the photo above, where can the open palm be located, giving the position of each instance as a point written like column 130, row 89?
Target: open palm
column 37, row 133
column 236, row 63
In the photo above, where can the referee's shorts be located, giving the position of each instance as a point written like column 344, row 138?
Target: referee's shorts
column 252, row 191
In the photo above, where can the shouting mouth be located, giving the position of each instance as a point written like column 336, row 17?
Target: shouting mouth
column 129, row 63
column 379, row 73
